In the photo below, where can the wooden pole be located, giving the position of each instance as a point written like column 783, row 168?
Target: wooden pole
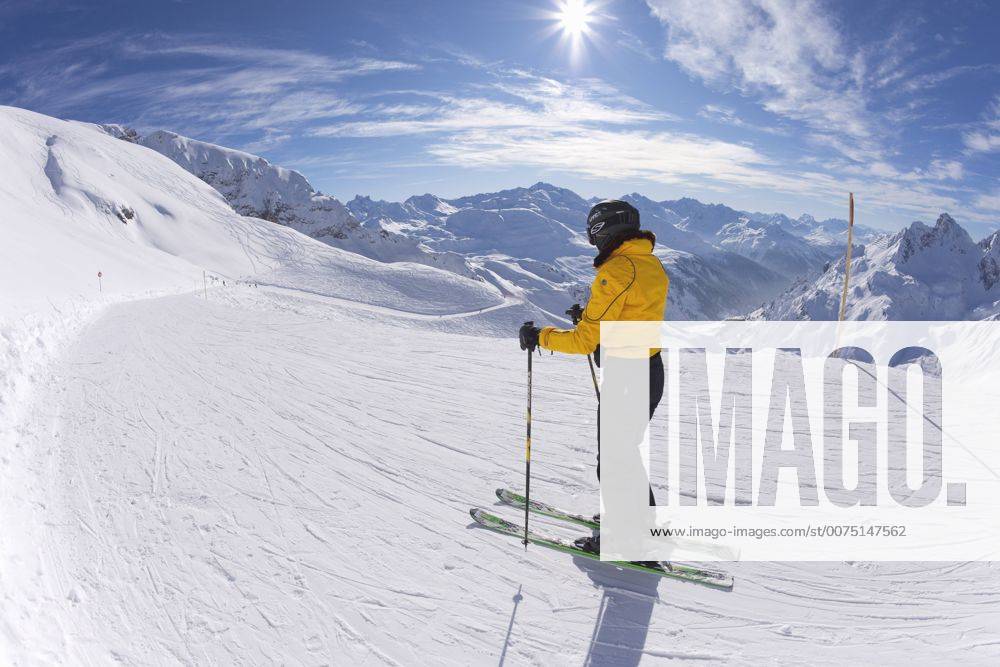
column 847, row 260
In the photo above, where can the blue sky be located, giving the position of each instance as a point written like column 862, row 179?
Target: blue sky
column 760, row 104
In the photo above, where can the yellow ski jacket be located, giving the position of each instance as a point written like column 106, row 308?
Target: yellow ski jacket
column 631, row 285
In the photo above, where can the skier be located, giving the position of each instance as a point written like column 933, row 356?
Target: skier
column 630, row 285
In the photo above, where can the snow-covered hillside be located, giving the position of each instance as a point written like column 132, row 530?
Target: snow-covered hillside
column 773, row 246
column 254, row 187
column 522, row 240
column 920, row 273
column 76, row 202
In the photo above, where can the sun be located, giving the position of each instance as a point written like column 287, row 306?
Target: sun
column 575, row 17
column 574, row 22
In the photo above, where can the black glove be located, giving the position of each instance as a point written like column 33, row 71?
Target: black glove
column 575, row 313
column 528, row 336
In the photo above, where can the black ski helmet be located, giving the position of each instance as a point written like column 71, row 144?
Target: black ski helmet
column 610, row 218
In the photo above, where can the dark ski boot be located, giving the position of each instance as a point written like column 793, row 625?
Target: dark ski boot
column 593, row 545
column 590, row 544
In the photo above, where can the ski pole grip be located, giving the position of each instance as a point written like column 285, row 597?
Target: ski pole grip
column 575, row 313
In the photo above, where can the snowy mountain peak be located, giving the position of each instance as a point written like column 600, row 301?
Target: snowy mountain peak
column 640, row 201
column 989, row 265
column 542, row 185
column 251, row 184
column 256, row 188
column 945, row 236
column 429, row 203
column 991, row 242
column 540, row 196
column 768, row 242
column 121, row 132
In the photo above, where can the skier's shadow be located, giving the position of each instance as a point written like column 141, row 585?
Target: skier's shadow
column 622, row 623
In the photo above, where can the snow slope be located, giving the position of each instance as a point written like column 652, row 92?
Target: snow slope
column 76, row 202
column 267, row 477
column 91, row 203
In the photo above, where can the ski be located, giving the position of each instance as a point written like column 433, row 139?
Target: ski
column 691, row 545
column 680, row 572
column 513, row 499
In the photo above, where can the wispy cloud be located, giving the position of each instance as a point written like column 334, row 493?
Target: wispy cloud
column 613, row 155
column 986, row 137
column 729, row 116
column 989, row 201
column 517, row 99
column 945, row 170
column 632, row 42
column 850, row 99
column 584, row 127
column 936, row 78
column 790, row 54
column 192, row 82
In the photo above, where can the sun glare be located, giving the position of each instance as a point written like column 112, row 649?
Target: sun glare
column 573, row 21
column 575, row 17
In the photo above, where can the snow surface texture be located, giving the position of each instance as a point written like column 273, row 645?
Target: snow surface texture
column 281, row 473
column 264, row 478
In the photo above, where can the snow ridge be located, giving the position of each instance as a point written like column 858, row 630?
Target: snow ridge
column 256, row 188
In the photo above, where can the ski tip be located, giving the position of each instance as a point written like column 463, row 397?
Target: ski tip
column 501, row 493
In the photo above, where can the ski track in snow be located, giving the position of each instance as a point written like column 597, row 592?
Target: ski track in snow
column 264, row 477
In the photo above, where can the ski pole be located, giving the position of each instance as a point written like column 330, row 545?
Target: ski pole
column 527, row 457
column 575, row 313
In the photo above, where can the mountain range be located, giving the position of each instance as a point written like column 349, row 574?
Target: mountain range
column 528, row 243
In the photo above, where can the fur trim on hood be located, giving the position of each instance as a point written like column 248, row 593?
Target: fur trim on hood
column 616, row 243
